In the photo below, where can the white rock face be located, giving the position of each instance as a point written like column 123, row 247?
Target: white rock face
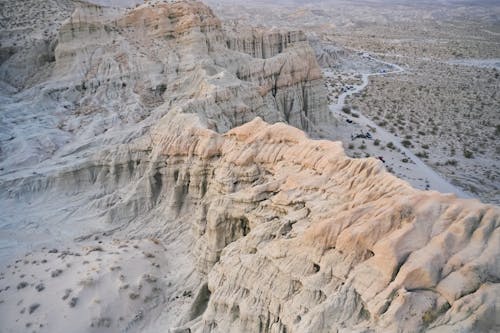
column 118, row 70
column 151, row 132
column 339, row 244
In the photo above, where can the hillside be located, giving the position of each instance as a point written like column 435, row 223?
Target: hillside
column 162, row 172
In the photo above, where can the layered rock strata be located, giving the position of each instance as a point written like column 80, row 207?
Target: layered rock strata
column 338, row 243
column 146, row 128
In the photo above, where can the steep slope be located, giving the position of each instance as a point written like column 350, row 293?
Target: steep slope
column 117, row 72
column 67, row 170
column 152, row 198
column 295, row 236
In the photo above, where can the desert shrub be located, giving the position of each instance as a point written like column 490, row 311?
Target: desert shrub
column 422, row 154
column 451, row 162
column 355, row 115
column 22, row 285
column 346, row 109
column 351, row 146
column 468, row 154
column 33, row 307
column 73, row 302
column 376, row 142
column 406, row 143
column 390, row 145
column 428, row 317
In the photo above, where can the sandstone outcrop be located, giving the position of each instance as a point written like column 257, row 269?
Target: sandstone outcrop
column 339, row 243
column 262, row 43
column 158, row 123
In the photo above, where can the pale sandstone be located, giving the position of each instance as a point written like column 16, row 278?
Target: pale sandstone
column 273, row 231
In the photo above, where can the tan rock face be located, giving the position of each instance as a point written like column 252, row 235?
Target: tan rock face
column 261, row 43
column 275, row 232
column 168, row 53
column 172, row 20
column 295, row 236
column 117, row 72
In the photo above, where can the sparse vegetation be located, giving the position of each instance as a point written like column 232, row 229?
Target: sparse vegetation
column 56, row 273
column 73, row 302
column 22, row 285
column 33, row 307
column 67, row 292
column 428, row 317
column 422, row 154
column 468, row 154
column 406, row 143
column 440, row 109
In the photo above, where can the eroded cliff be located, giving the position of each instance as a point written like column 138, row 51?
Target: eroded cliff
column 141, row 142
column 338, row 243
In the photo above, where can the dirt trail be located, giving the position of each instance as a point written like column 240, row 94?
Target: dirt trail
column 432, row 177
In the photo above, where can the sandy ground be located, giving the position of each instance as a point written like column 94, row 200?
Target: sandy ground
column 483, row 63
column 398, row 159
column 448, row 114
column 110, row 278
column 96, row 285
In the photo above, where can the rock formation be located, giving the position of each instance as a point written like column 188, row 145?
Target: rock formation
column 340, row 244
column 158, row 123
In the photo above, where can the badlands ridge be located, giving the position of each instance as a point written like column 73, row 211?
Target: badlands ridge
column 156, row 175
